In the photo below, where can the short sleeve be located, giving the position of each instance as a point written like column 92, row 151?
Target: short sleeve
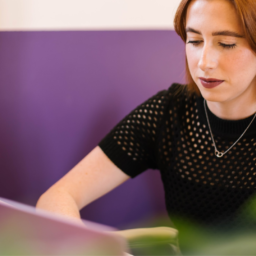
column 131, row 144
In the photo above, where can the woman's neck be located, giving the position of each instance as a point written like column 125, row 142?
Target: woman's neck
column 236, row 109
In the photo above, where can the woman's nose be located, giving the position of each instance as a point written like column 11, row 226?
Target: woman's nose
column 208, row 59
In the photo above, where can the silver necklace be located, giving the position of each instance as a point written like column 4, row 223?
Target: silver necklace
column 217, row 152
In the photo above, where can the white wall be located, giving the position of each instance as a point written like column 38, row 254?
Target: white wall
column 87, row 14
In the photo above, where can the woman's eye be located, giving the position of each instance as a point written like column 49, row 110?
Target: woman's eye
column 226, row 46
column 194, row 42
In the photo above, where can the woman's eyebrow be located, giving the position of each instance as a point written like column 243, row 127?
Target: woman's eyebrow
column 217, row 33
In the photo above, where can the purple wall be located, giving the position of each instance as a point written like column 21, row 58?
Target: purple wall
column 61, row 92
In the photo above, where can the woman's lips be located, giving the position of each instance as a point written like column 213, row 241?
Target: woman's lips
column 210, row 83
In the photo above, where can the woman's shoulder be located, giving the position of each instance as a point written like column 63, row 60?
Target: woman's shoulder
column 176, row 101
column 175, row 95
column 179, row 91
column 164, row 99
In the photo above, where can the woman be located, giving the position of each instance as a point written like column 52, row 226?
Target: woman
column 201, row 136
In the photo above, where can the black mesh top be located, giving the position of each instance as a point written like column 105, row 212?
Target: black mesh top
column 169, row 132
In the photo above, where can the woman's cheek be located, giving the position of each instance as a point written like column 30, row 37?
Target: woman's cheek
column 238, row 61
column 192, row 62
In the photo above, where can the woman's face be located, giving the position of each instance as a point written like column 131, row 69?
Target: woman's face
column 224, row 55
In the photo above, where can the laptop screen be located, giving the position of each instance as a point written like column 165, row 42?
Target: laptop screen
column 27, row 231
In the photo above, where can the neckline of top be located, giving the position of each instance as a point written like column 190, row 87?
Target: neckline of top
column 225, row 127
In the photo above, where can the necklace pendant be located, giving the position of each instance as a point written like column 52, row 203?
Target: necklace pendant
column 218, row 153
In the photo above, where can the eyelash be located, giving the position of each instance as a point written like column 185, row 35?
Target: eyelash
column 227, row 46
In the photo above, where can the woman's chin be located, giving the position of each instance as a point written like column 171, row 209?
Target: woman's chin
column 213, row 96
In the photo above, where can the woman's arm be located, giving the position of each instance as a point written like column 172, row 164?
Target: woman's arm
column 90, row 179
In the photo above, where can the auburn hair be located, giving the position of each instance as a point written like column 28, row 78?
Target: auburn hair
column 246, row 11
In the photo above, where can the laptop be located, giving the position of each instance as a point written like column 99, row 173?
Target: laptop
column 25, row 230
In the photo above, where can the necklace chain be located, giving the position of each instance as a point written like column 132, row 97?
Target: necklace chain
column 217, row 152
